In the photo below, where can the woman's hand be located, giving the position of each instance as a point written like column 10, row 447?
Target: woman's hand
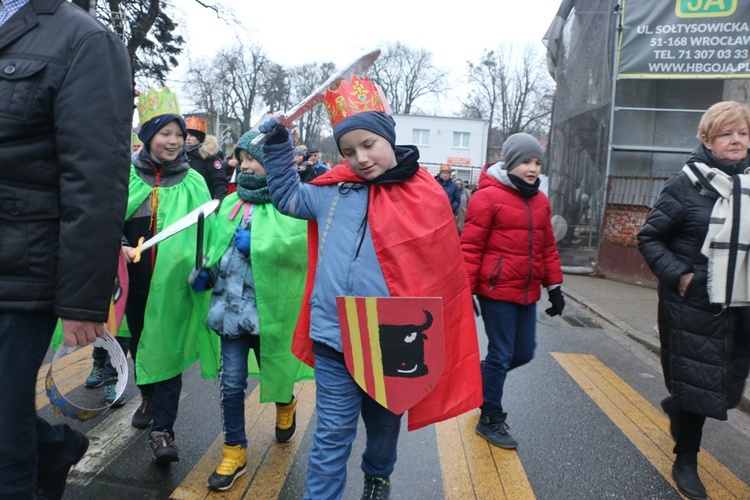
column 685, row 280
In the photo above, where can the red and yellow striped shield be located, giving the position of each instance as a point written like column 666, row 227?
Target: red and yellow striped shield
column 393, row 346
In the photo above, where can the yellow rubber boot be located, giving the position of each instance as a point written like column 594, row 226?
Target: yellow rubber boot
column 286, row 421
column 232, row 466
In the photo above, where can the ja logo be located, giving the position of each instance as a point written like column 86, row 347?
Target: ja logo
column 705, row 8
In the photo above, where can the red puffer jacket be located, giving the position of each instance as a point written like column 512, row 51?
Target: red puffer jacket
column 508, row 244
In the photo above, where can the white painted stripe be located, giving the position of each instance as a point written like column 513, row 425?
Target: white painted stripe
column 106, row 441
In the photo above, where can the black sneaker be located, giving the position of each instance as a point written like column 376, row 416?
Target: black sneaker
column 96, row 377
column 495, row 430
column 52, row 485
column 376, row 488
column 142, row 416
column 165, row 451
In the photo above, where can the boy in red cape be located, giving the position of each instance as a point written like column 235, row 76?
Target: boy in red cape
column 381, row 227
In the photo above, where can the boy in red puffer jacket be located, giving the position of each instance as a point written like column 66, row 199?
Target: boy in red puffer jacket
column 510, row 253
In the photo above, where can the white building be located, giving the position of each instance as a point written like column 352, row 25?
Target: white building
column 458, row 142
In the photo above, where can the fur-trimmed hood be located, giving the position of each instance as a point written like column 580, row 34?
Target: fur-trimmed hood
column 209, row 147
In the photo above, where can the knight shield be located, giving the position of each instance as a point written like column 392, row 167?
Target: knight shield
column 393, row 346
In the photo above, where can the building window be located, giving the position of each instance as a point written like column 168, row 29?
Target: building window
column 461, row 140
column 420, row 137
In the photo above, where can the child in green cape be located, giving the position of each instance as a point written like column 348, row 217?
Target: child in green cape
column 257, row 295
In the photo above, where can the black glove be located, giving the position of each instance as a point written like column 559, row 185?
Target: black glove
column 557, row 300
column 275, row 132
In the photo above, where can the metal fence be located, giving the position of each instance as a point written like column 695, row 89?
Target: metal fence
column 629, row 190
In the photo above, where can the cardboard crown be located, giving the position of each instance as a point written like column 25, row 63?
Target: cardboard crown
column 156, row 102
column 352, row 97
column 195, row 123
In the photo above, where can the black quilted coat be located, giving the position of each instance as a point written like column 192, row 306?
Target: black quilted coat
column 66, row 107
column 705, row 348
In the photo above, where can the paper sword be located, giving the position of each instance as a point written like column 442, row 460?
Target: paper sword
column 316, row 97
column 192, row 218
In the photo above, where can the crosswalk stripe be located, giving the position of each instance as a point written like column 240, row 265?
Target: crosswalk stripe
column 645, row 426
column 67, row 374
column 482, row 470
column 268, row 462
column 106, row 442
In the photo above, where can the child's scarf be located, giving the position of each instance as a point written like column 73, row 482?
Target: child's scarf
column 728, row 239
column 253, row 188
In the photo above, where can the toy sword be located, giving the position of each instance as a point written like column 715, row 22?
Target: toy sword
column 309, row 102
column 192, row 218
column 200, row 260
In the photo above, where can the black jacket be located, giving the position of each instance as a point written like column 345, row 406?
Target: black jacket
column 66, row 108
column 203, row 159
column 705, row 349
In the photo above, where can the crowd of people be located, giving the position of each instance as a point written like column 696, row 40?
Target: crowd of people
column 291, row 237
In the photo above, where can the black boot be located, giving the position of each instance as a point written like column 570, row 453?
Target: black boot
column 494, row 429
column 685, row 474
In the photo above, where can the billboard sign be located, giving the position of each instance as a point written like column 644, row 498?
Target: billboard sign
column 685, row 39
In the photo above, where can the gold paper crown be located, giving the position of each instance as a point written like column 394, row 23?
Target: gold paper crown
column 195, row 123
column 156, row 102
column 352, row 97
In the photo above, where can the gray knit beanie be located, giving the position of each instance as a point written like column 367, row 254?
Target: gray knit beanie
column 520, row 148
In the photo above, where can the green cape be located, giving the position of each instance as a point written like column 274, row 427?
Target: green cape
column 278, row 253
column 174, row 328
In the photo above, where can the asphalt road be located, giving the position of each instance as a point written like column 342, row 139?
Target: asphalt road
column 585, row 412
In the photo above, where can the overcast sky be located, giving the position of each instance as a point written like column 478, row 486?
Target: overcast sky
column 295, row 32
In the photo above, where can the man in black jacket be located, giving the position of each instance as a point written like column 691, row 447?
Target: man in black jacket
column 65, row 118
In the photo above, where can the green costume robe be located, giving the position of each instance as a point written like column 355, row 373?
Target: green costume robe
column 278, row 255
column 174, row 328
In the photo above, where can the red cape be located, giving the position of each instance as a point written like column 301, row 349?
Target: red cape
column 416, row 241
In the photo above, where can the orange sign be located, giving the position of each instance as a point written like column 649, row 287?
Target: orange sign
column 459, row 161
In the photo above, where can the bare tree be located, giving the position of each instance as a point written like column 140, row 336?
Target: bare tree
column 406, row 75
column 303, row 81
column 228, row 87
column 513, row 90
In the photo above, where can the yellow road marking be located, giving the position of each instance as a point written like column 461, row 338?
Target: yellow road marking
column 67, row 374
column 268, row 462
column 645, row 426
column 472, row 468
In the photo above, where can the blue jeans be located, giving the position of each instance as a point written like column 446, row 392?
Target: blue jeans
column 29, row 446
column 511, row 334
column 339, row 402
column 233, row 379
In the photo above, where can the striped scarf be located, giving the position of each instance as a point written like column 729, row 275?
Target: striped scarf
column 728, row 238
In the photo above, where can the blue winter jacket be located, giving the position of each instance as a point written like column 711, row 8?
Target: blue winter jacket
column 347, row 263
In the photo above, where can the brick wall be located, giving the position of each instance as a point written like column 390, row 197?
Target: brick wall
column 622, row 223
